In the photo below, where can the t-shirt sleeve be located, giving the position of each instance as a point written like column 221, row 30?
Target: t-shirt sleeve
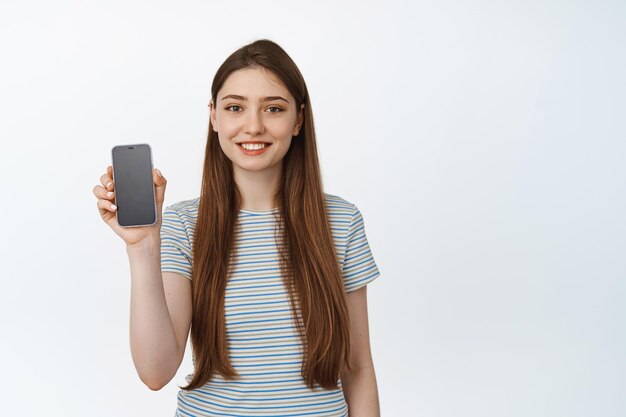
column 175, row 245
column 359, row 267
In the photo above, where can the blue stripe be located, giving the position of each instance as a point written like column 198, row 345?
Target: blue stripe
column 269, row 373
column 262, row 347
column 256, row 382
column 255, row 262
column 355, row 231
column 369, row 259
column 260, row 304
column 261, row 338
column 258, row 253
column 266, row 364
column 263, row 222
column 265, row 356
column 352, row 249
column 255, row 246
column 255, row 295
column 256, row 312
column 245, row 271
column 174, row 261
column 244, row 239
column 256, row 286
column 255, row 279
column 259, row 390
column 360, row 272
column 259, row 330
column 170, row 268
column 243, row 231
column 235, row 323
column 355, row 283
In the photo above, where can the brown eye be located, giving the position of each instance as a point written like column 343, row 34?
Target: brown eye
column 237, row 108
column 277, row 109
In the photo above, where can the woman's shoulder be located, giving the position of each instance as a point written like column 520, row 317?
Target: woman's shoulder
column 336, row 201
column 185, row 209
column 185, row 204
column 338, row 207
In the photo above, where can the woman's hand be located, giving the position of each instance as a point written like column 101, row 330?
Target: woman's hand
column 105, row 194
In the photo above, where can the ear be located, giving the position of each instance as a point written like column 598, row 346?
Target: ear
column 299, row 120
column 212, row 116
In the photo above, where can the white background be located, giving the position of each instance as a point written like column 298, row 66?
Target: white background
column 484, row 143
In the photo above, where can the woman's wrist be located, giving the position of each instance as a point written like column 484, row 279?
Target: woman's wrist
column 148, row 244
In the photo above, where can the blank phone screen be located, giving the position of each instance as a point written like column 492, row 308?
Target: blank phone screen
column 134, row 186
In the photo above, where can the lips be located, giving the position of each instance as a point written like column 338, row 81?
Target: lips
column 252, row 149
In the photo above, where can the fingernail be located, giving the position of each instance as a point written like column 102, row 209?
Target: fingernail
column 109, row 184
column 110, row 193
column 113, row 206
column 159, row 173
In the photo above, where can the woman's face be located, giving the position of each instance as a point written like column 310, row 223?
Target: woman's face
column 255, row 110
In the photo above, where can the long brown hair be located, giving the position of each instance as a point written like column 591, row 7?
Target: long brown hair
column 308, row 261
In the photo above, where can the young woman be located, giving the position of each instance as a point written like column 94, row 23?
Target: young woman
column 267, row 269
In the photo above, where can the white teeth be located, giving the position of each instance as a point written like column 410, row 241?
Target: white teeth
column 253, row 146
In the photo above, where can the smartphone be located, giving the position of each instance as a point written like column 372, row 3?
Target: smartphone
column 134, row 186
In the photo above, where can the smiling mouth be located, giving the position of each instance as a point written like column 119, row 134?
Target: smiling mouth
column 254, row 146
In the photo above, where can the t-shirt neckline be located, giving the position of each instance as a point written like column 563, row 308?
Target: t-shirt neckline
column 272, row 210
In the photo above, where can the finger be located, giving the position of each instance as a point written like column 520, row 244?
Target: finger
column 160, row 183
column 101, row 192
column 105, row 205
column 106, row 181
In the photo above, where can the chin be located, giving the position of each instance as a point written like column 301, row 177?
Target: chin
column 252, row 166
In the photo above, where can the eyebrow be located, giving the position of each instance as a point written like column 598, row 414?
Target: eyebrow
column 242, row 98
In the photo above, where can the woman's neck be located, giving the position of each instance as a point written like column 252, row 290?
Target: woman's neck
column 257, row 188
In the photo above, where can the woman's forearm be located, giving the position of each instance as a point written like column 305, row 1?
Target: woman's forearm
column 152, row 336
column 361, row 392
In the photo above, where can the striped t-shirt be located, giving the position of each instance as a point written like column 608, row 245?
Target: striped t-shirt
column 264, row 345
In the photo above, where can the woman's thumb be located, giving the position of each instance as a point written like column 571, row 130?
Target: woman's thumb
column 159, row 182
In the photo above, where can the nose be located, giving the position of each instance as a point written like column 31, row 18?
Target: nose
column 254, row 124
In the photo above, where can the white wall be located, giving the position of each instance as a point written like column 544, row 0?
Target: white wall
column 484, row 143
